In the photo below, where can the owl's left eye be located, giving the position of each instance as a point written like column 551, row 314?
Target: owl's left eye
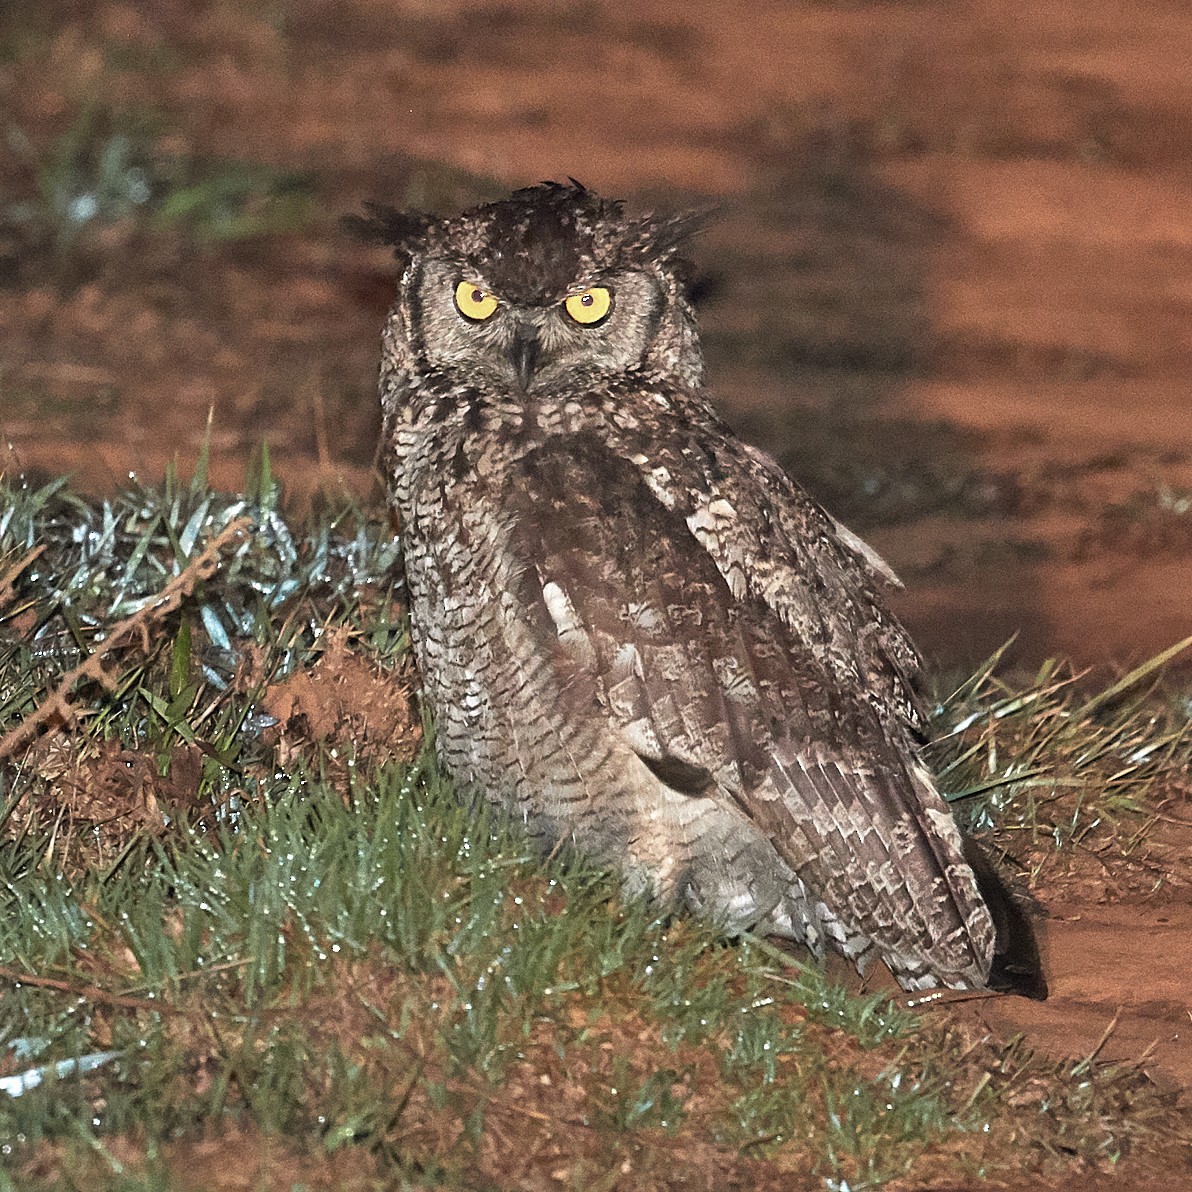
column 590, row 307
column 475, row 303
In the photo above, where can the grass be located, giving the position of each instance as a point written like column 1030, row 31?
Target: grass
column 286, row 949
column 102, row 171
column 1049, row 768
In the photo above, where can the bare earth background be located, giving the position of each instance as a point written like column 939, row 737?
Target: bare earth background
column 950, row 288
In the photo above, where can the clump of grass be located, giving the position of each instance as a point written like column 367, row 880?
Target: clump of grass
column 89, row 564
column 103, row 172
column 188, row 695
column 332, row 958
column 1051, row 766
column 89, row 176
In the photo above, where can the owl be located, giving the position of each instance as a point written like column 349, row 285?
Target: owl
column 634, row 631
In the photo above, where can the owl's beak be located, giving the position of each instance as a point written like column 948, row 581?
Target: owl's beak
column 524, row 353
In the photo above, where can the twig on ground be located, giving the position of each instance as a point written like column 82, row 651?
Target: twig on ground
column 91, row 993
column 57, row 704
column 9, row 575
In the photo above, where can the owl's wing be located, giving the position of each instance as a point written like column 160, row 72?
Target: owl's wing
column 776, row 708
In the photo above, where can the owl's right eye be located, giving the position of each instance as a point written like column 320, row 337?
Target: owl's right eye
column 475, row 303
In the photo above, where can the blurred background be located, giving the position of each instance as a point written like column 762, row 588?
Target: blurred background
column 950, row 287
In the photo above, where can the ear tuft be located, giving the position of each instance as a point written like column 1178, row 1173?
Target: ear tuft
column 401, row 230
column 663, row 237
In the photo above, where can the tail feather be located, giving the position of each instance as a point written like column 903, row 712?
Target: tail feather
column 1017, row 967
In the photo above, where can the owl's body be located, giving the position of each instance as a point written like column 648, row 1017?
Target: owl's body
column 633, row 629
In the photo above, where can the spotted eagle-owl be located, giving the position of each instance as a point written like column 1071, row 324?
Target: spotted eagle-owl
column 633, row 630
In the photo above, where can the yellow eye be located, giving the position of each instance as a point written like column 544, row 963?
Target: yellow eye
column 474, row 303
column 591, row 306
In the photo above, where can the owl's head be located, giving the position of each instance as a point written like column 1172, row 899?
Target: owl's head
column 541, row 291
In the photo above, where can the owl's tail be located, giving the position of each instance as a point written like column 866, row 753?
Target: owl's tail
column 1016, row 964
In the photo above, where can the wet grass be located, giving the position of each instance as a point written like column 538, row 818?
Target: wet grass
column 223, row 931
column 1047, row 766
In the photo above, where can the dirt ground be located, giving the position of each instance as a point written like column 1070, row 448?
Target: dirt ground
column 949, row 288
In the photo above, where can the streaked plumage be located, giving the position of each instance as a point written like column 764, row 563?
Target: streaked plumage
column 632, row 627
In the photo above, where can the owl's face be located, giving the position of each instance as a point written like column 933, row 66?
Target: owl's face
column 598, row 324
column 548, row 289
